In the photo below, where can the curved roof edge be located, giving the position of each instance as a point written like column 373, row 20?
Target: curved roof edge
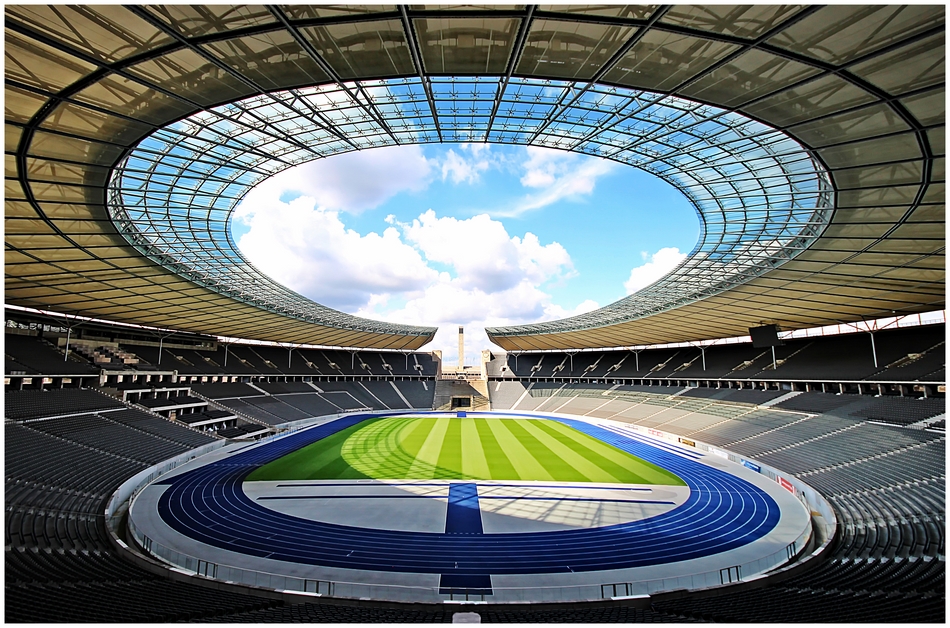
column 862, row 87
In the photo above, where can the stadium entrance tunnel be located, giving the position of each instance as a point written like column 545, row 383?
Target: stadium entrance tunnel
column 761, row 197
column 429, row 522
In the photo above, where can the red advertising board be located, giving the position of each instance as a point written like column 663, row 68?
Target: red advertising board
column 786, row 485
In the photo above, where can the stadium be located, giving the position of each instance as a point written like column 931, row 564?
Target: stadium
column 758, row 436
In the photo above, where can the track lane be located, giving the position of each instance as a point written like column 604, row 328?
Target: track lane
column 723, row 512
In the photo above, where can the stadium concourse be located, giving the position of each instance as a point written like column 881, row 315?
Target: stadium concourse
column 141, row 345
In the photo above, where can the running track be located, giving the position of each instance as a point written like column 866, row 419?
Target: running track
column 723, row 512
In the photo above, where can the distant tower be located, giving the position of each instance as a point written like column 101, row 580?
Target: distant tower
column 461, row 348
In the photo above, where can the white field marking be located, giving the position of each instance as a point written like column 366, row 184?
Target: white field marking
column 506, row 506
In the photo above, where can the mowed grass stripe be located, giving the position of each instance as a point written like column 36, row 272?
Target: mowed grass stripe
column 412, row 438
column 556, row 466
column 375, row 451
column 424, row 465
column 474, row 463
column 421, row 448
column 500, row 467
column 627, row 468
column 305, row 463
column 450, row 456
column 527, row 467
column 608, row 457
column 589, row 464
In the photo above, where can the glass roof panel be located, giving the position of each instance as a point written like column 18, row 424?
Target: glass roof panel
column 824, row 95
column 466, row 46
column 271, row 60
column 19, row 105
column 752, row 74
column 193, row 20
column 739, row 20
column 466, row 7
column 929, row 107
column 61, row 147
column 80, row 120
column 131, row 98
column 853, row 125
column 189, row 75
column 908, row 69
column 62, row 172
column 570, row 49
column 839, row 33
column 37, row 65
column 885, row 149
column 109, row 32
column 938, row 140
column 662, row 60
column 363, row 49
column 302, row 12
column 886, row 174
column 630, row 11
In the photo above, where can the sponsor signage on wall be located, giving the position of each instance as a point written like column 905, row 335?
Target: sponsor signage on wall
column 720, row 453
column 686, row 441
column 786, row 485
column 752, row 466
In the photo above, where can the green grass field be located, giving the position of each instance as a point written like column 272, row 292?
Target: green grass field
column 427, row 448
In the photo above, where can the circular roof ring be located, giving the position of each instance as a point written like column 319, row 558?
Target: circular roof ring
column 762, row 198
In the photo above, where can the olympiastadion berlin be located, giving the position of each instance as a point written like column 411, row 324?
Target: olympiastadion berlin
column 758, row 436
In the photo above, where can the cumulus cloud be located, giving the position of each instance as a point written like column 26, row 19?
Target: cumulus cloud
column 431, row 270
column 448, row 304
column 495, row 278
column 654, row 267
column 434, row 270
column 482, row 253
column 309, row 250
column 353, row 182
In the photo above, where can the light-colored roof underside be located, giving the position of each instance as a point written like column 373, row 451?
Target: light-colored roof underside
column 861, row 87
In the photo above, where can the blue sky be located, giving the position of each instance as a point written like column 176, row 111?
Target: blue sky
column 474, row 235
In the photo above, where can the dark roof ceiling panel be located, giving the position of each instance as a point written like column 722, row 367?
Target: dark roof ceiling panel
column 810, row 140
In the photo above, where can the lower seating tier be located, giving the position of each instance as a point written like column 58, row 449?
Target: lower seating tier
column 886, row 484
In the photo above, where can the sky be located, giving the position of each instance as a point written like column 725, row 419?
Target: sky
column 464, row 234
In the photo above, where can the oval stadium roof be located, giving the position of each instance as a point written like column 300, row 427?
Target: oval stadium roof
column 810, row 139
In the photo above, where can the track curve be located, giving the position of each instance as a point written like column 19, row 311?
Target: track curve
column 722, row 512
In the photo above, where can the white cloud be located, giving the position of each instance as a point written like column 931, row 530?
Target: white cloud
column 352, row 182
column 435, row 270
column 496, row 279
column 449, row 304
column 659, row 264
column 556, row 175
column 468, row 165
column 556, row 311
column 482, row 253
column 432, row 270
column 309, row 250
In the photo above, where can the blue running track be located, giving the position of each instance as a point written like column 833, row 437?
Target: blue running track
column 723, row 512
